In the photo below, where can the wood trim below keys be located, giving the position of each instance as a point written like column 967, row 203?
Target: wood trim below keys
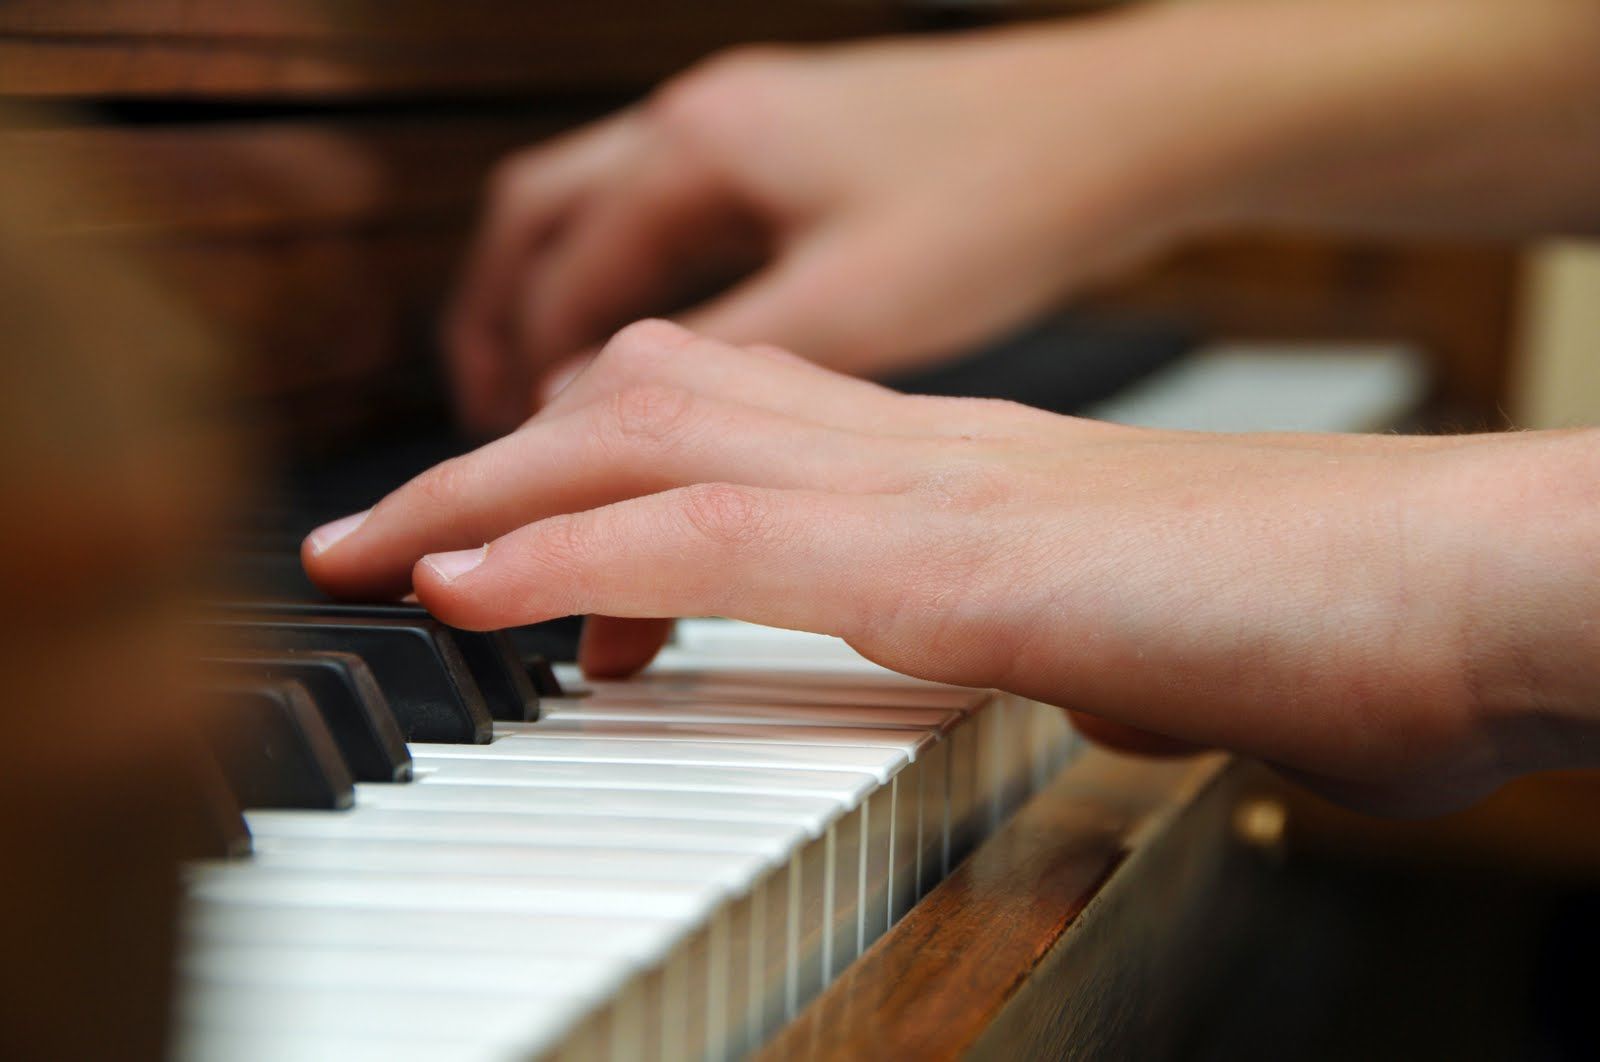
column 1069, row 933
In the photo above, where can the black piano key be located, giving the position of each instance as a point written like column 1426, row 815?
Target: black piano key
column 555, row 640
column 273, row 746
column 274, row 573
column 507, row 688
column 347, row 695
column 417, row 663
column 213, row 825
column 496, row 661
column 543, row 675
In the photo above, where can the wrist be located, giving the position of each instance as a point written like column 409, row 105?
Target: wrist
column 1521, row 515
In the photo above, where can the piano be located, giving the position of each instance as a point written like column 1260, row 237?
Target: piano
column 670, row 867
column 413, row 841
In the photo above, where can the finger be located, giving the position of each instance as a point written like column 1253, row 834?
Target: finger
column 1130, row 739
column 638, row 441
column 646, row 244
column 831, row 297
column 560, row 377
column 659, row 352
column 527, row 198
column 805, row 560
column 616, row 648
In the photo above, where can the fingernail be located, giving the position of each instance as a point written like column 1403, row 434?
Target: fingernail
column 326, row 536
column 451, row 566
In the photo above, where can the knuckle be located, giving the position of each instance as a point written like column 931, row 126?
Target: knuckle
column 443, row 486
column 965, row 484
column 505, row 180
column 724, row 514
column 719, row 88
column 640, row 346
column 648, row 414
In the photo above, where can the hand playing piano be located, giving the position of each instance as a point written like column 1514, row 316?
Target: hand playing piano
column 878, row 205
column 870, row 206
column 1402, row 622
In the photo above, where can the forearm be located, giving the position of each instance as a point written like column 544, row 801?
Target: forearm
column 1470, row 117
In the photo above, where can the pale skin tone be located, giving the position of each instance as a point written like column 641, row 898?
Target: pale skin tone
column 1402, row 623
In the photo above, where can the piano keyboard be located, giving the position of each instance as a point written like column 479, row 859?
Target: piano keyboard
column 665, row 868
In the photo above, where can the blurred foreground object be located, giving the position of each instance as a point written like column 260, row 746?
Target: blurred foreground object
column 108, row 475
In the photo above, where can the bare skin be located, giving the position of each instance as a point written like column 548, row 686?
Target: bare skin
column 880, row 204
column 1402, row 622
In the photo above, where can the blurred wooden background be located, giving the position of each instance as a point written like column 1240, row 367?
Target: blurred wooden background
column 308, row 170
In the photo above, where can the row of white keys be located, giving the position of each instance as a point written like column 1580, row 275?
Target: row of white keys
column 595, row 825
column 827, row 885
column 905, row 805
column 302, row 841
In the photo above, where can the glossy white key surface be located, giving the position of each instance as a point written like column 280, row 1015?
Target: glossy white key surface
column 597, row 831
column 850, row 787
column 532, row 748
column 665, row 866
column 437, row 794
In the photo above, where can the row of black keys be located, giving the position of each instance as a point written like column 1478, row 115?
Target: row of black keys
column 308, row 698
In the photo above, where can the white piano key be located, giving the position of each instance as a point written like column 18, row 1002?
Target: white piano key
column 490, row 1020
column 849, row 787
column 907, row 742
column 934, row 720
column 702, row 635
column 208, row 1043
column 905, row 862
column 734, row 871
column 732, row 659
column 453, row 892
column 338, row 969
column 600, row 831
column 696, row 685
column 397, row 928
column 436, row 794
column 881, row 763
column 875, row 869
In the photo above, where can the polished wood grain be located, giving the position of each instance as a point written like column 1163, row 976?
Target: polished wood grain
column 1044, row 939
column 301, row 49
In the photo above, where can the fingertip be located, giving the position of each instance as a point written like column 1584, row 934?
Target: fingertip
column 612, row 647
column 330, row 534
column 453, row 564
column 440, row 595
column 320, row 549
